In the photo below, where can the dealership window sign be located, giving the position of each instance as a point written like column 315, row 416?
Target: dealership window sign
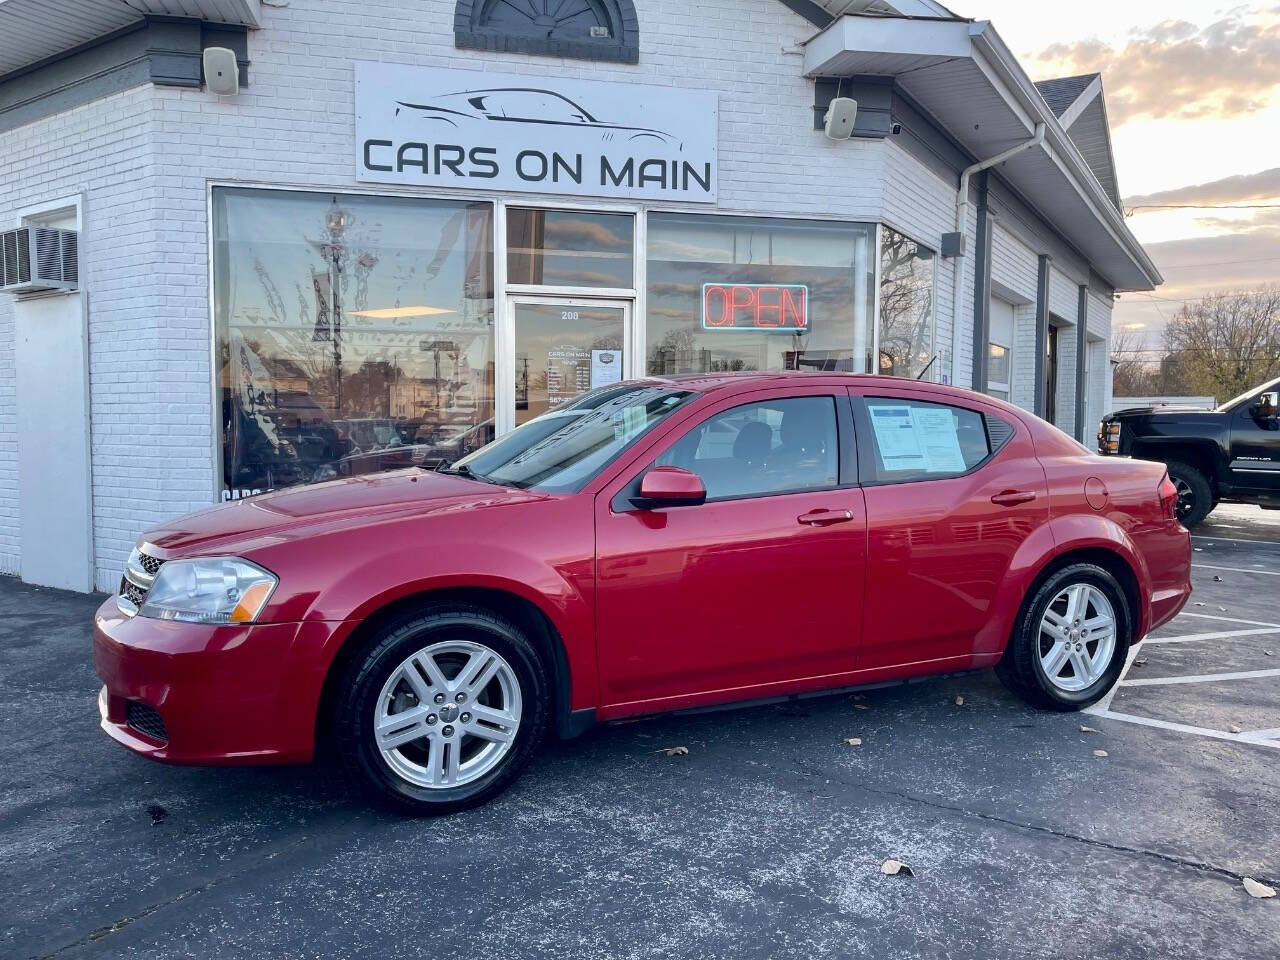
column 755, row 306
column 458, row 128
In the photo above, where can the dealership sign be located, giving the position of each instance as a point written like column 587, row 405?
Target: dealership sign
column 755, row 306
column 457, row 128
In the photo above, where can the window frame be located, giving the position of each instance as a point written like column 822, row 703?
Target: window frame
column 870, row 474
column 623, row 47
column 847, row 455
column 1003, row 385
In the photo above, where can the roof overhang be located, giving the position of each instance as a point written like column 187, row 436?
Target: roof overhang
column 962, row 73
column 35, row 30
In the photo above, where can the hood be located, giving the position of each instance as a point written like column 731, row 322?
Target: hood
column 1173, row 411
column 243, row 525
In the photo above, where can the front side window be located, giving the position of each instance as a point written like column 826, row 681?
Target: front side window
column 354, row 334
column 773, row 446
column 915, row 440
column 747, row 293
column 562, row 450
column 906, row 307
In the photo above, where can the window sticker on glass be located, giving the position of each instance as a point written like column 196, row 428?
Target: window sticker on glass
column 917, row 437
column 936, row 429
column 896, row 436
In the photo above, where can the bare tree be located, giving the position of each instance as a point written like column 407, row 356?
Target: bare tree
column 1133, row 368
column 1227, row 342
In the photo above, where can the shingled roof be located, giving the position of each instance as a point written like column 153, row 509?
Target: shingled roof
column 1062, row 92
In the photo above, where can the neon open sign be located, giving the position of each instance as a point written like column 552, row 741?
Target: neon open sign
column 755, row 306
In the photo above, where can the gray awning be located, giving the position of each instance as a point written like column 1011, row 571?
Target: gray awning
column 33, row 30
column 965, row 77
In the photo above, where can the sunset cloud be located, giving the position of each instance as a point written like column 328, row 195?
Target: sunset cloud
column 1177, row 70
column 1236, row 189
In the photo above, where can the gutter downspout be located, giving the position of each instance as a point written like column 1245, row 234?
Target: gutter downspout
column 962, row 225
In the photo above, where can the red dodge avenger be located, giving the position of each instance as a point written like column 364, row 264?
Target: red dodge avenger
column 653, row 545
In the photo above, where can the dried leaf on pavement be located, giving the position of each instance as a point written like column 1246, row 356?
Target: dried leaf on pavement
column 674, row 751
column 853, row 741
column 1100, row 753
column 1139, row 661
column 1259, row 890
column 1084, row 729
column 1235, row 728
column 895, row 868
column 861, row 706
column 959, row 701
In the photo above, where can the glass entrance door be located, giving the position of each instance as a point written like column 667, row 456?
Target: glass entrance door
column 563, row 346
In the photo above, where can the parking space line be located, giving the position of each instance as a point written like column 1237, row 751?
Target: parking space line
column 1263, row 735
column 1202, row 678
column 1210, row 616
column 1210, row 566
column 1220, row 635
column 1182, row 727
column 1197, row 536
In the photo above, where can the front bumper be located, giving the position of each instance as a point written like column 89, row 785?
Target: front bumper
column 237, row 694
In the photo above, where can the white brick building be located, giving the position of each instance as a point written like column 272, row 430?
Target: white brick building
column 254, row 287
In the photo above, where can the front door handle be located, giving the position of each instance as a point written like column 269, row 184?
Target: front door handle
column 1011, row 498
column 820, row 518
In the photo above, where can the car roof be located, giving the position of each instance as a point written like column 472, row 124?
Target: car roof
column 741, row 382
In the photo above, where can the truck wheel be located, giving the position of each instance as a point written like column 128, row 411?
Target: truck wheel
column 1195, row 497
column 1070, row 642
column 442, row 710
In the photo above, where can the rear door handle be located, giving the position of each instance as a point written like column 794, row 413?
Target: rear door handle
column 820, row 518
column 1011, row 498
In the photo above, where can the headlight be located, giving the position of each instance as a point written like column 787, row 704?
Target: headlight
column 209, row 590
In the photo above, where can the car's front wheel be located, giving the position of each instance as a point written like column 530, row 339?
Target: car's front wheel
column 1071, row 640
column 442, row 710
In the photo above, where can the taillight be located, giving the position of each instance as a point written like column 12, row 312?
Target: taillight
column 1168, row 494
column 1109, row 437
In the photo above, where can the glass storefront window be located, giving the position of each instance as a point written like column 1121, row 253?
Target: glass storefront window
column 748, row 293
column 906, row 307
column 570, row 248
column 354, row 334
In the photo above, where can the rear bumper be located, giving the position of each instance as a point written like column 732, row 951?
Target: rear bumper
column 225, row 694
column 1168, row 557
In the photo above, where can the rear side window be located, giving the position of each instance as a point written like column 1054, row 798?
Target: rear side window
column 916, row 440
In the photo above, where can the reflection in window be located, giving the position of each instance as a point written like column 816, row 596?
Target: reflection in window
column 762, row 263
column 570, row 248
column 906, row 307
column 355, row 334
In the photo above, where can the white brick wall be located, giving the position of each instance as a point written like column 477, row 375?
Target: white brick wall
column 144, row 160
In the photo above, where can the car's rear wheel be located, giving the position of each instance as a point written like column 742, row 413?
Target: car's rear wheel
column 1195, row 495
column 1071, row 640
column 441, row 711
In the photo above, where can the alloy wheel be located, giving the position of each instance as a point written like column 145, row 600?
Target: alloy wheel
column 1077, row 637
column 1186, row 497
column 448, row 714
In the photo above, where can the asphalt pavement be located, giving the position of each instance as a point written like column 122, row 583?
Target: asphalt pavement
column 766, row 840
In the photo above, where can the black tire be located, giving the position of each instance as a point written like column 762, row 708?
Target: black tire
column 1195, row 494
column 362, row 681
column 1020, row 668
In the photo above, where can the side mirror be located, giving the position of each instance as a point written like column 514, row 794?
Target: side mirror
column 1268, row 406
column 670, row 487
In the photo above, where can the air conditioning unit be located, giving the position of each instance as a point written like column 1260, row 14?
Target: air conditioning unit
column 33, row 259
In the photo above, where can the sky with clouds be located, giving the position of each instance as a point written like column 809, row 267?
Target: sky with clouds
column 1193, row 96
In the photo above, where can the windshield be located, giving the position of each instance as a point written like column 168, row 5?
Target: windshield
column 1224, row 407
column 563, row 449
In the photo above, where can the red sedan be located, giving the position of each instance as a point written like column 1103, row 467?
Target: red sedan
column 651, row 546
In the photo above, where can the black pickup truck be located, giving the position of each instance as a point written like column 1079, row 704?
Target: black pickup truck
column 1231, row 453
